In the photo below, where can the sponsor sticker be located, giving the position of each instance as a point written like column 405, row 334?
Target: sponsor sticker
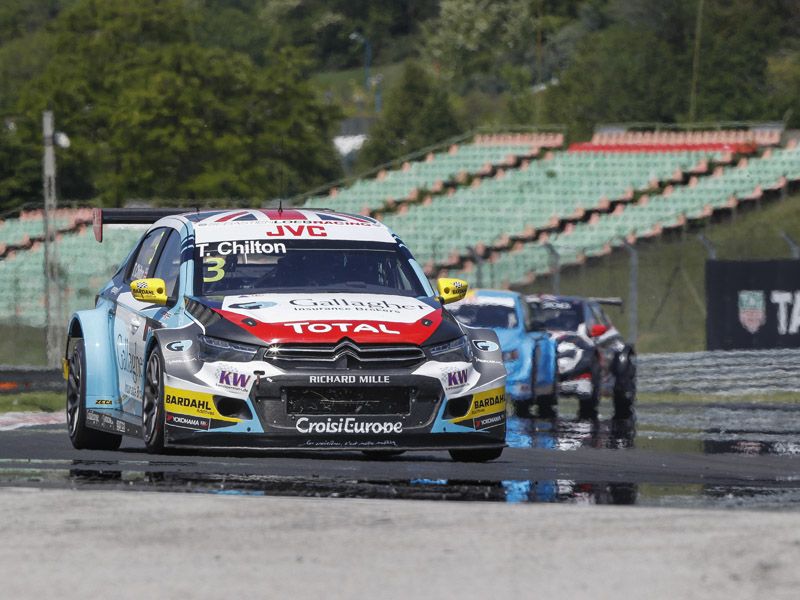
column 196, row 404
column 485, row 403
column 233, row 380
column 349, row 379
column 111, row 424
column 457, row 378
column 556, row 305
column 490, row 421
column 752, row 310
column 297, row 231
column 187, row 422
column 241, row 247
column 348, row 425
column 129, row 360
column 306, row 327
column 179, row 345
column 103, row 402
column 485, row 345
column 342, row 303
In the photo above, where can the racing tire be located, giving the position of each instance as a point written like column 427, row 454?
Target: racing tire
column 625, row 391
column 153, row 421
column 546, row 404
column 588, row 404
column 522, row 409
column 382, row 454
column 81, row 436
column 476, row 455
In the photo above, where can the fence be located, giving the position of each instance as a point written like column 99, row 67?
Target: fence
column 734, row 372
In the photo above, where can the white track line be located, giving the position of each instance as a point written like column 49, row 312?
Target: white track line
column 17, row 420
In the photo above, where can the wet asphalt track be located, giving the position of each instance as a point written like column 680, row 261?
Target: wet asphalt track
column 726, row 455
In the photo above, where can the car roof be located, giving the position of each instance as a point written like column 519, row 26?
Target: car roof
column 290, row 223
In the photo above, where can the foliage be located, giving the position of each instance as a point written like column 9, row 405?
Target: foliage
column 152, row 113
column 418, row 113
column 617, row 75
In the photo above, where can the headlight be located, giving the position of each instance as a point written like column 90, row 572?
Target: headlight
column 510, row 355
column 457, row 350
column 213, row 349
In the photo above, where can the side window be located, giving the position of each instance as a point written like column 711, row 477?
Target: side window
column 527, row 317
column 169, row 263
column 144, row 258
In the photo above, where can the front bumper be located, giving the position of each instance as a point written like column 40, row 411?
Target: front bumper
column 316, row 410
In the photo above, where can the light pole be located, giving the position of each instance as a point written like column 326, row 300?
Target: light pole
column 52, row 286
column 357, row 37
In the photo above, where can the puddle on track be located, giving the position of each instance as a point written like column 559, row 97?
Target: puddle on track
column 784, row 496
column 706, row 429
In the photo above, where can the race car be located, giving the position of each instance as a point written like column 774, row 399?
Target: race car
column 529, row 353
column 279, row 329
column 593, row 359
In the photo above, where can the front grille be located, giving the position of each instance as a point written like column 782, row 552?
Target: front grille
column 348, row 400
column 345, row 355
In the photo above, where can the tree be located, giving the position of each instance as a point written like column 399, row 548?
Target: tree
column 617, row 75
column 417, row 113
column 153, row 114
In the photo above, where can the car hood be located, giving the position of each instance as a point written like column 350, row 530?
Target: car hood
column 328, row 318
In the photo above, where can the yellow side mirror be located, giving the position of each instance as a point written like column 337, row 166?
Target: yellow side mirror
column 451, row 290
column 152, row 290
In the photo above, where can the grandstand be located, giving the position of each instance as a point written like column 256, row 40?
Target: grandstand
column 723, row 190
column 539, row 196
column 83, row 265
column 23, row 232
column 458, row 164
column 499, row 197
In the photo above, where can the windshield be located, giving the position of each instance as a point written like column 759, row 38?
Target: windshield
column 558, row 315
column 486, row 315
column 256, row 266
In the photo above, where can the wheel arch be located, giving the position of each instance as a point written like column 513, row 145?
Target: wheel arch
column 101, row 371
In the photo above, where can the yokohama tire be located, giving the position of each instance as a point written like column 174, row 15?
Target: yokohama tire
column 82, row 437
column 588, row 405
column 153, row 403
column 625, row 390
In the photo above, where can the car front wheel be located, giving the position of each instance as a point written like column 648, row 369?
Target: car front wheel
column 153, row 403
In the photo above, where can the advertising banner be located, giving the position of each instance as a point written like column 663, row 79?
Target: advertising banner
column 752, row 304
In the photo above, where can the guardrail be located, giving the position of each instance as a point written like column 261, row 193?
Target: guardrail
column 14, row 380
column 721, row 372
column 731, row 372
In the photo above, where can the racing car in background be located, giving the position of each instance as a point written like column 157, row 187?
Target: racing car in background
column 593, row 358
column 529, row 353
column 281, row 329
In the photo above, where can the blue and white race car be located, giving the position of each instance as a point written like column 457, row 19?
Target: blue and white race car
column 529, row 353
column 283, row 329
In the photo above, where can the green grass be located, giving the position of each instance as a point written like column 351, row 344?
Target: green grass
column 672, row 274
column 673, row 398
column 32, row 402
column 22, row 345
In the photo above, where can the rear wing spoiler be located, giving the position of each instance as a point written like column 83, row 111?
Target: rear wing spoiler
column 610, row 301
column 613, row 301
column 131, row 216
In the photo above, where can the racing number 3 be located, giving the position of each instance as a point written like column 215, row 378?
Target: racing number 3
column 213, row 266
